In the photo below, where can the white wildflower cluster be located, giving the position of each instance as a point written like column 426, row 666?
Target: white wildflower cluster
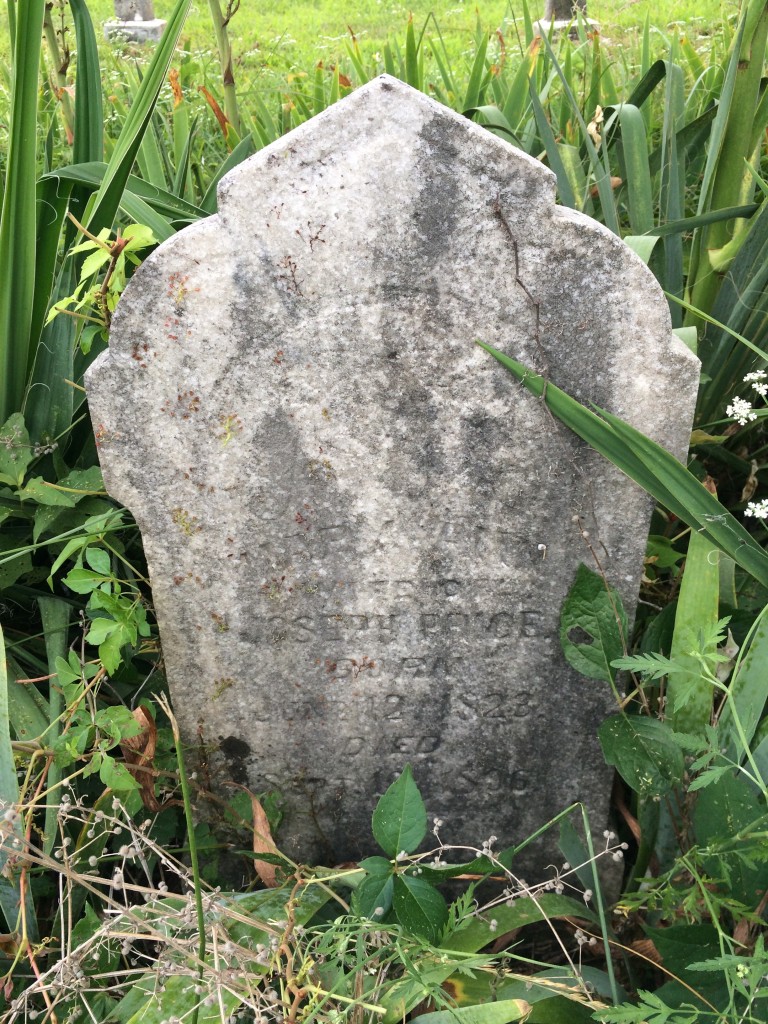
column 758, row 380
column 757, row 509
column 740, row 409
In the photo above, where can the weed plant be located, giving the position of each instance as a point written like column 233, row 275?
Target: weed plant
column 112, row 912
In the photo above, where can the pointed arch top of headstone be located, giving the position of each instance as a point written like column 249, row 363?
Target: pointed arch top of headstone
column 390, row 115
column 360, row 531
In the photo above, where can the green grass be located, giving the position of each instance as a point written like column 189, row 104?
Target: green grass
column 303, row 32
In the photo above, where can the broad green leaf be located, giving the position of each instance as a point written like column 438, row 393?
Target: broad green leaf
column 374, row 896
column 376, row 865
column 111, row 647
column 16, row 452
column 83, row 581
column 80, row 484
column 43, row 493
column 419, row 907
column 13, row 563
column 400, row 818
column 95, row 261
column 597, row 613
column 99, row 560
column 662, row 552
column 475, row 933
column 644, row 751
column 66, row 673
column 501, row 1012
column 478, row 866
column 480, row 987
column 116, row 776
column 178, row 999
column 722, row 811
column 100, row 629
column 163, row 202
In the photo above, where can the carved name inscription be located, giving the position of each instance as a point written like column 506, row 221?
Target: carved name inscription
column 360, row 531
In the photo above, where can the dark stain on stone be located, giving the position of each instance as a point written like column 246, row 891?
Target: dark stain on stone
column 237, row 753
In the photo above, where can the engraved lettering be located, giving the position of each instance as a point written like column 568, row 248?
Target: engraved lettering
column 304, row 629
column 393, row 704
column 353, row 746
column 414, row 666
column 521, row 704
column 356, row 623
column 430, row 623
column 458, row 622
column 501, row 625
column 330, row 627
column 447, row 668
column 386, row 626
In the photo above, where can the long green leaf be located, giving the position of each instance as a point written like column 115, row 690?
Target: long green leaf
column 104, row 204
column 55, row 618
column 49, row 403
column 600, row 169
column 747, row 695
column 564, row 185
column 10, row 891
column 19, row 214
column 474, row 91
column 689, row 693
column 89, row 110
column 649, row 465
column 637, row 171
column 166, row 203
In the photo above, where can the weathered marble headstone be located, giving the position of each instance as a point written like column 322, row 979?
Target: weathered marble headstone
column 135, row 19
column 360, row 529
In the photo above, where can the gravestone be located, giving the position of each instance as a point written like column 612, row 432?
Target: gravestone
column 563, row 15
column 135, row 20
column 360, row 530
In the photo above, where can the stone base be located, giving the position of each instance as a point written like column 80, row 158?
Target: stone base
column 137, row 31
column 542, row 27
